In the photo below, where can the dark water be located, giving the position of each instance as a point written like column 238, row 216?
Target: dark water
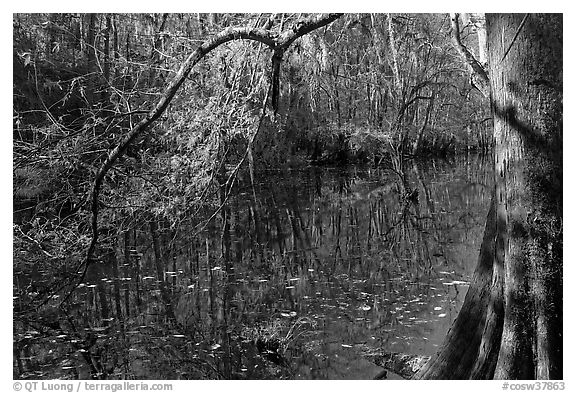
column 295, row 278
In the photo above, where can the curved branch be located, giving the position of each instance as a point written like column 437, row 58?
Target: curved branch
column 304, row 27
column 229, row 34
column 479, row 74
column 264, row 36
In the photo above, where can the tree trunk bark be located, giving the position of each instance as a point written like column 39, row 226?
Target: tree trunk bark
column 458, row 355
column 525, row 57
column 418, row 141
column 397, row 80
column 516, row 332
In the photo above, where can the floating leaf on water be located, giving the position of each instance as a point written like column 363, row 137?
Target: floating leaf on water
column 456, row 282
column 437, row 308
column 441, row 315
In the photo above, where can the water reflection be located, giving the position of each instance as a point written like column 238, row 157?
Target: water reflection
column 295, row 279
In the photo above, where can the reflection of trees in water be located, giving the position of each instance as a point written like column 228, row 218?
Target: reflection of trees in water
column 355, row 251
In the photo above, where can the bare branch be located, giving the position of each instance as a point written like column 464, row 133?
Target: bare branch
column 479, row 74
column 271, row 39
column 304, row 27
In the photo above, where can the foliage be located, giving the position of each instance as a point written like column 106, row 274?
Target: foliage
column 363, row 88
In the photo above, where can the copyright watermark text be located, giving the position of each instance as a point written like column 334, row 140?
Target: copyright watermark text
column 84, row 386
column 533, row 386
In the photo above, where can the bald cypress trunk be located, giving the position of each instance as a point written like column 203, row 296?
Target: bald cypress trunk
column 525, row 57
column 510, row 325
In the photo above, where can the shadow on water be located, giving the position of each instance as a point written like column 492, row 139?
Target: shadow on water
column 297, row 277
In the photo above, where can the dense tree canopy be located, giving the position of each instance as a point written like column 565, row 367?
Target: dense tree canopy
column 354, row 89
column 360, row 88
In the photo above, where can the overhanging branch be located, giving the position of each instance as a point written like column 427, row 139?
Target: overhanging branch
column 278, row 43
column 479, row 74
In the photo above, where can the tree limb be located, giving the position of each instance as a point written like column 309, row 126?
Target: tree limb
column 479, row 75
column 304, row 27
column 271, row 39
